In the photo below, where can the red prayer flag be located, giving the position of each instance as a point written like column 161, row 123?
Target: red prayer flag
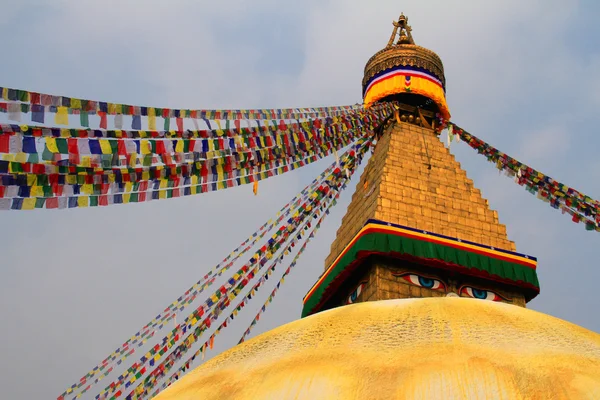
column 103, row 119
column 73, row 146
column 51, row 203
column 35, row 98
column 4, row 143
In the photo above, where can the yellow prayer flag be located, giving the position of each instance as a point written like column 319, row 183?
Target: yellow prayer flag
column 179, row 146
column 37, row 191
column 238, row 141
column 71, row 179
column 128, row 186
column 62, row 116
column 86, row 162
column 87, row 188
column 145, row 147
column 163, row 183
column 145, row 175
column 162, row 194
column 112, row 108
column 76, row 104
column 5, row 93
column 105, row 146
column 51, row 144
column 132, row 160
column 28, row 203
column 82, row 201
column 151, row 122
column 31, row 179
column 126, row 198
column 220, row 175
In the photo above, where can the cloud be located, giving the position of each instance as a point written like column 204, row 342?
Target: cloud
column 75, row 284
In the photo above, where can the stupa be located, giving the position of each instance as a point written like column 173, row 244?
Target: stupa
column 442, row 290
column 416, row 226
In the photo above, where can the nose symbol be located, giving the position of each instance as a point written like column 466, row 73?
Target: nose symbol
column 452, row 294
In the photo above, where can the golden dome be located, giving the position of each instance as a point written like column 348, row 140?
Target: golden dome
column 403, row 67
column 430, row 348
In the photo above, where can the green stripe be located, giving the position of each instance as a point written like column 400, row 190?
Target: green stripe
column 390, row 243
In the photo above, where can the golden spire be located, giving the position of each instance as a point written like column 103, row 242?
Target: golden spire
column 405, row 32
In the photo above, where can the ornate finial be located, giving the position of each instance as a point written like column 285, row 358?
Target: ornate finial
column 405, row 32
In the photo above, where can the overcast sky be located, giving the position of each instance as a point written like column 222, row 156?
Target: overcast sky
column 75, row 284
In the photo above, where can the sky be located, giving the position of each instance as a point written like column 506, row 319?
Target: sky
column 75, row 284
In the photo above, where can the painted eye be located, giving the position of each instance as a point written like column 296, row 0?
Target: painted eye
column 479, row 294
column 422, row 281
column 354, row 295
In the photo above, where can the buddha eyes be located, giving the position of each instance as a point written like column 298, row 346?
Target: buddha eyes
column 438, row 285
column 482, row 294
column 422, row 281
column 354, row 295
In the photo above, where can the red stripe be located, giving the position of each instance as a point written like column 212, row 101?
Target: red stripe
column 378, row 80
column 455, row 245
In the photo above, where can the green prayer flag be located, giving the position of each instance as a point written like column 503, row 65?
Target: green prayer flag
column 61, row 144
column 48, row 191
column 84, row 119
column 47, row 154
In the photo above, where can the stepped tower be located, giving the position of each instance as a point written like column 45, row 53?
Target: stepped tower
column 416, row 225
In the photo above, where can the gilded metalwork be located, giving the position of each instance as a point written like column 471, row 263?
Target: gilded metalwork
column 405, row 31
column 404, row 53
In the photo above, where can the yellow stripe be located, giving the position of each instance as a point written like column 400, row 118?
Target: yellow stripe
column 418, row 85
column 455, row 242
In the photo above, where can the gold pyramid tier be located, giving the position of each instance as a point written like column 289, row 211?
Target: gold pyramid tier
column 413, row 180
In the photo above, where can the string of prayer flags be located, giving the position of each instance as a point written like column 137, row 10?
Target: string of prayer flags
column 287, row 271
column 21, row 101
column 191, row 294
column 579, row 206
column 84, row 187
column 103, row 141
column 186, row 366
column 161, row 189
column 338, row 184
column 197, row 319
column 157, row 192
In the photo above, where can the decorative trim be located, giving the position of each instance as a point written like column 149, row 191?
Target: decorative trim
column 439, row 251
column 405, row 55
